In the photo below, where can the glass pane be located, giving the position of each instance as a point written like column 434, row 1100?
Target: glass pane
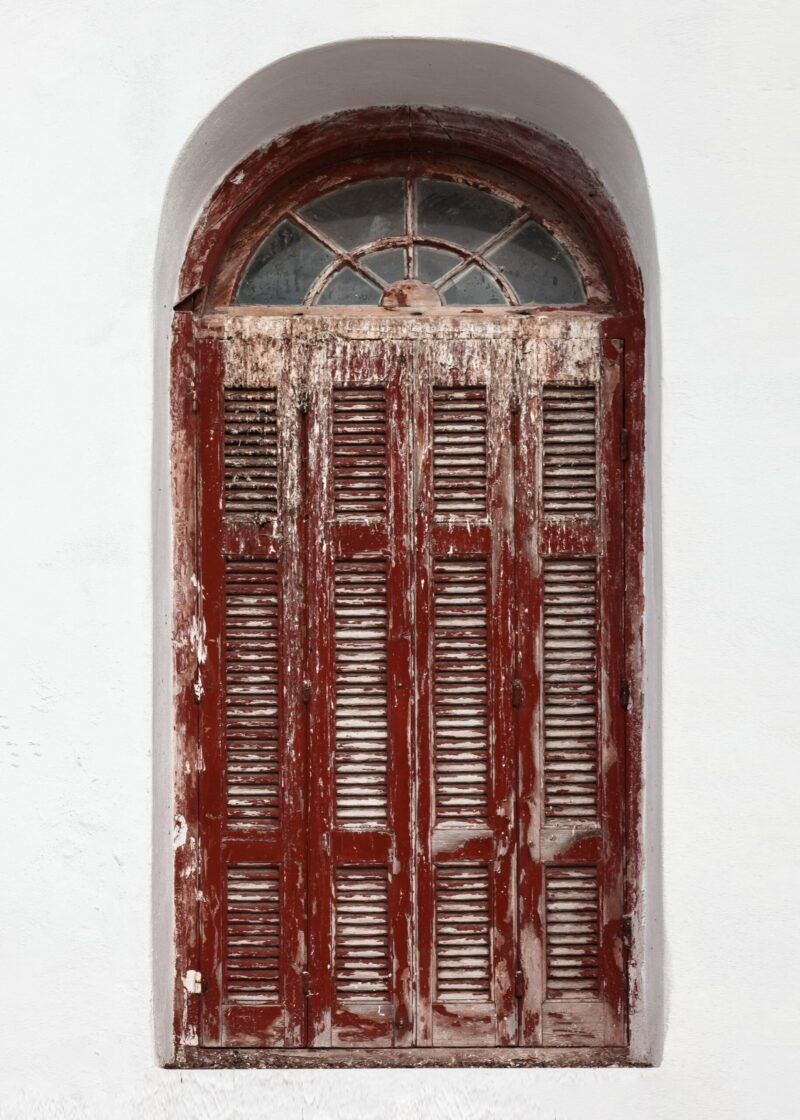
column 474, row 286
column 538, row 268
column 431, row 264
column 283, row 267
column 454, row 212
column 389, row 264
column 347, row 287
column 360, row 212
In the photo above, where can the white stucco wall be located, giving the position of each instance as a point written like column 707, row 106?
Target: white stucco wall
column 99, row 101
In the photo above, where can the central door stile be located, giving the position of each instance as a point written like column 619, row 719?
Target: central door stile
column 360, row 625
column 530, row 949
column 464, row 631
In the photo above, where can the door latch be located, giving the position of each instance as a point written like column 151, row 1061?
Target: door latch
column 519, row 984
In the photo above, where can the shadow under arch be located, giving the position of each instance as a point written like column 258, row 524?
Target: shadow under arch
column 444, row 73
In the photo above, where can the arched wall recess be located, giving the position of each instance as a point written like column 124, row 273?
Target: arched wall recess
column 507, row 143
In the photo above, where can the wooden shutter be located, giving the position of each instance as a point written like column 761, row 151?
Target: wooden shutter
column 360, row 854
column 464, row 577
column 571, row 720
column 411, row 718
column 251, row 769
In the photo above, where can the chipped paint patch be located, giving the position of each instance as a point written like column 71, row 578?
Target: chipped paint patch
column 179, row 833
column 192, row 982
column 197, row 638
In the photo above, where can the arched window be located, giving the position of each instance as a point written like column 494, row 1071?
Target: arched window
column 468, row 245
column 407, row 374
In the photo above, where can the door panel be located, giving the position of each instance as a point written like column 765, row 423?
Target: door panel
column 360, row 853
column 570, row 721
column 464, row 573
column 252, row 754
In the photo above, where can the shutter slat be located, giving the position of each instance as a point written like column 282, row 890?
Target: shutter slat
column 250, row 443
column 569, row 459
column 361, row 950
column 253, row 935
column 463, row 932
column 461, row 717
column 570, row 687
column 359, row 450
column 361, row 725
column 572, row 932
column 459, row 450
column 252, row 686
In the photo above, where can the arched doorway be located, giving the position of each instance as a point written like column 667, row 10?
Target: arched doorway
column 408, row 366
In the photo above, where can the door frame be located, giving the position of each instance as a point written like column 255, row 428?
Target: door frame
column 522, row 151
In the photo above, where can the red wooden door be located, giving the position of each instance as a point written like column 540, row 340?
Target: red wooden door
column 410, row 720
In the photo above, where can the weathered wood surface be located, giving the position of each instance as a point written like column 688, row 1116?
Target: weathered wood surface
column 406, row 821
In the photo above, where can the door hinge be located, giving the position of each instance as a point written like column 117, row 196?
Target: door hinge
column 305, row 692
column 194, row 397
column 191, row 302
column 194, row 983
column 516, row 694
column 303, row 399
column 519, row 984
column 624, row 445
column 627, row 931
column 306, row 981
column 197, row 687
column 515, row 421
column 625, row 693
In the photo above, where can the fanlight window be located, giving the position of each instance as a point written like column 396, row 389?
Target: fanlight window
column 460, row 244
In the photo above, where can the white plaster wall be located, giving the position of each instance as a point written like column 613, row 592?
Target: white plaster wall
column 99, row 100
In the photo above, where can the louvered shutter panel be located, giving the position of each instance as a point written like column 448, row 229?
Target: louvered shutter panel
column 464, row 577
column 411, row 587
column 360, row 908
column 569, row 568
column 251, row 765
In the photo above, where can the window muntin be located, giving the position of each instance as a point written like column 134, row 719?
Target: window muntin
column 351, row 244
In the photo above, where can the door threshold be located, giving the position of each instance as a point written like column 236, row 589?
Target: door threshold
column 511, row 1057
